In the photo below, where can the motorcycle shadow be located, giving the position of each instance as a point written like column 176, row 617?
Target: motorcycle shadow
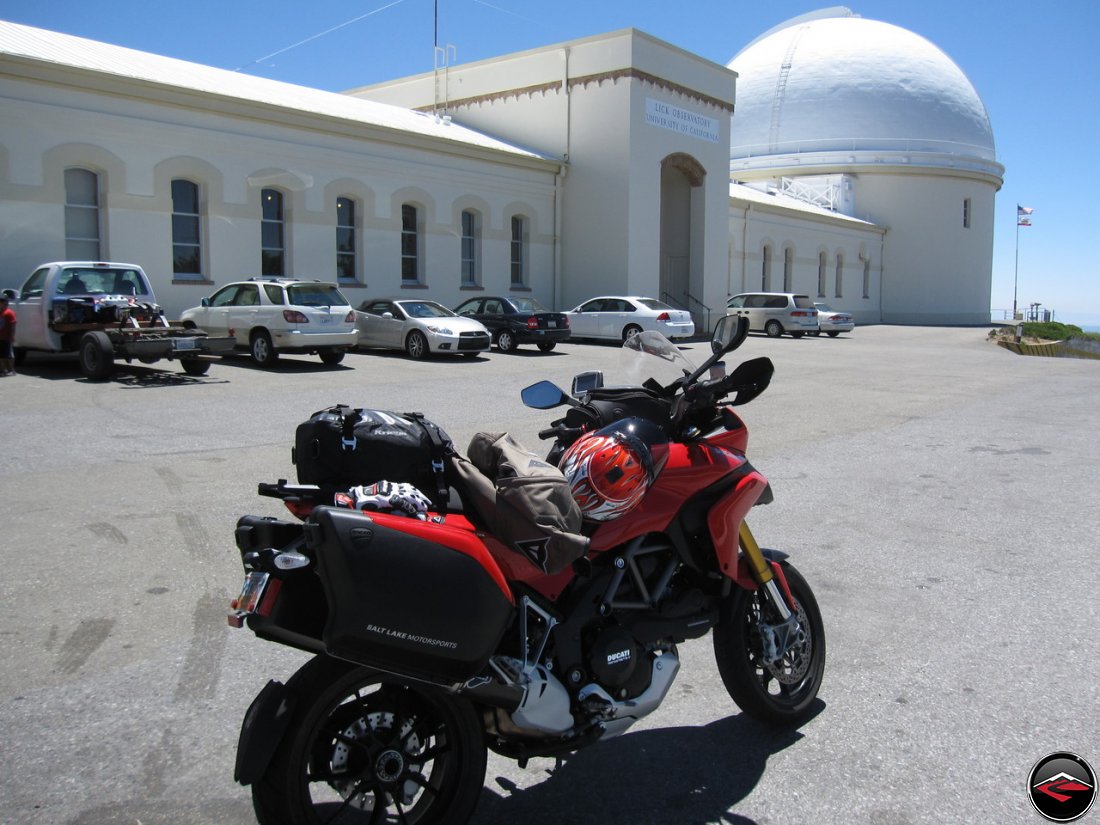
column 659, row 776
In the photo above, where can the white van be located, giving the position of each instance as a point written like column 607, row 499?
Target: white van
column 775, row 312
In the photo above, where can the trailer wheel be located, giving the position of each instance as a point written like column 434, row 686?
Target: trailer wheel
column 195, row 366
column 97, row 356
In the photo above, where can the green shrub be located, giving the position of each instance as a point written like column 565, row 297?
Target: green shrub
column 1052, row 331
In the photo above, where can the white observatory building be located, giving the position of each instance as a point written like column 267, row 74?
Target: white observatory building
column 873, row 121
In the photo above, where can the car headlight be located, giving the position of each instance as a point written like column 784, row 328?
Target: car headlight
column 436, row 330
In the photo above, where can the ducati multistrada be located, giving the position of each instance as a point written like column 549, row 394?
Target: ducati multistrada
column 434, row 641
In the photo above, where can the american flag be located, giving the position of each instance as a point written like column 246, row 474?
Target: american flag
column 1023, row 215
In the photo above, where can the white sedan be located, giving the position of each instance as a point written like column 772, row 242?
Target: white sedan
column 833, row 322
column 620, row 317
column 419, row 327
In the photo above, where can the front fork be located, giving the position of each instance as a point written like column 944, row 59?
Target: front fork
column 777, row 638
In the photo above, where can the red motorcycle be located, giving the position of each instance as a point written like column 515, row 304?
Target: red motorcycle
column 435, row 641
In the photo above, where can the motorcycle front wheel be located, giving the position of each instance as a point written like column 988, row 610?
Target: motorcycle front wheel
column 365, row 747
column 780, row 693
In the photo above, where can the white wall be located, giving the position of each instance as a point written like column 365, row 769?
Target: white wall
column 587, row 101
column 137, row 148
column 752, row 225
column 937, row 271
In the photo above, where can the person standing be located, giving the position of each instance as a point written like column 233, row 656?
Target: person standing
column 7, row 337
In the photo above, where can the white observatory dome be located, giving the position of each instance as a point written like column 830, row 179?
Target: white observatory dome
column 831, row 88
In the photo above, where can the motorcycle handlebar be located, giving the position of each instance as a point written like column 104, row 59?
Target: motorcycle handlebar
column 749, row 380
column 562, row 432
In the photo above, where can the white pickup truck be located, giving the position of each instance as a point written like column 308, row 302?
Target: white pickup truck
column 103, row 312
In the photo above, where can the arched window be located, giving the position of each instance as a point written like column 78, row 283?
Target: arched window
column 346, row 261
column 410, row 244
column 186, row 231
column 272, row 234
column 519, row 250
column 766, row 268
column 821, row 266
column 839, row 275
column 471, row 243
column 82, row 236
column 788, row 268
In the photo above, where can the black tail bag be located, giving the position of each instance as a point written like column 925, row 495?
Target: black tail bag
column 342, row 446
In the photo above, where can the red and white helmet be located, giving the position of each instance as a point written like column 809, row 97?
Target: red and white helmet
column 610, row 470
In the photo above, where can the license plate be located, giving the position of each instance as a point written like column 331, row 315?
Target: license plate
column 251, row 593
column 552, row 324
column 185, row 343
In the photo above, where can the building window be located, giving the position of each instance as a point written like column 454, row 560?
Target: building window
column 470, row 238
column 186, row 238
column 519, row 250
column 766, row 269
column 821, row 274
column 410, row 244
column 866, row 277
column 345, row 240
column 966, row 213
column 82, row 239
column 272, row 234
column 788, row 268
column 839, row 275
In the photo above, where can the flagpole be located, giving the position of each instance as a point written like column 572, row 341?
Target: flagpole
column 1016, row 276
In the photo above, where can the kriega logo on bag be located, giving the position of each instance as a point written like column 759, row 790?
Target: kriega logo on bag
column 1062, row 787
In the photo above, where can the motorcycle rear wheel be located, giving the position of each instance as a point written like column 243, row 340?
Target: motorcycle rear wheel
column 782, row 693
column 365, row 747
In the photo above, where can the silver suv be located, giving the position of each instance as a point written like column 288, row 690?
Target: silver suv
column 775, row 312
column 272, row 315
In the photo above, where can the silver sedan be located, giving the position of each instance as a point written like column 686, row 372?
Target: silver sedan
column 833, row 322
column 418, row 327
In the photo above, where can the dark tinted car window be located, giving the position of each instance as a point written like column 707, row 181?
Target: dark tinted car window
column 224, row 297
column 275, row 294
column 376, row 307
column 315, row 295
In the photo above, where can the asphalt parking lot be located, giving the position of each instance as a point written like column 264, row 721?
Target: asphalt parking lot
column 938, row 493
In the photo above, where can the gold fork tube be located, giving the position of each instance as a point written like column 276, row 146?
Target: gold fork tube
column 762, row 571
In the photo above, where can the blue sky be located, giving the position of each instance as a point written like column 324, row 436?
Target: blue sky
column 1035, row 65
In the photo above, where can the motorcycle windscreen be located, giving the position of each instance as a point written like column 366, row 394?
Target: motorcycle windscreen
column 402, row 603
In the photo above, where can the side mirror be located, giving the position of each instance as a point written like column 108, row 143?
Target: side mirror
column 729, row 333
column 205, row 302
column 544, row 395
column 9, row 294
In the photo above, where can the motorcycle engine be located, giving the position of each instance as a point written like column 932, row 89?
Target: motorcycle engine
column 618, row 663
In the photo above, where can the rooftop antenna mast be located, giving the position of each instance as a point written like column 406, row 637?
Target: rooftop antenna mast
column 443, row 55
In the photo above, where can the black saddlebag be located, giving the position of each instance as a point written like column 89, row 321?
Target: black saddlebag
column 405, row 604
column 341, row 447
